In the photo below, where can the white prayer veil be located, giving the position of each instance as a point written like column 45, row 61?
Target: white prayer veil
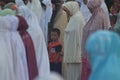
column 19, row 2
column 35, row 6
column 18, row 50
column 45, row 18
column 6, row 58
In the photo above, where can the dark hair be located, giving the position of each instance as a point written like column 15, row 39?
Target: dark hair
column 56, row 30
column 7, row 1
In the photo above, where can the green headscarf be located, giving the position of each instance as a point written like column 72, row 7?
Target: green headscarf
column 7, row 6
column 7, row 12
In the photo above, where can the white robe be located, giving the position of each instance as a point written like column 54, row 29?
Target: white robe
column 38, row 39
column 12, row 61
column 6, row 62
column 18, row 50
column 85, row 12
column 45, row 18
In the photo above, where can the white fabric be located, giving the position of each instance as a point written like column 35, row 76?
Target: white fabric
column 45, row 18
column 85, row 11
column 105, row 9
column 18, row 50
column 80, row 1
column 19, row 2
column 38, row 39
column 48, row 9
column 52, row 76
column 6, row 57
column 35, row 6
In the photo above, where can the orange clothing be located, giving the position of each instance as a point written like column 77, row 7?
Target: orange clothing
column 54, row 50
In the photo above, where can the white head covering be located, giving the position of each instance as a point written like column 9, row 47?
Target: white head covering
column 19, row 2
column 36, row 8
column 48, row 9
column 18, row 50
column 80, row 1
column 45, row 18
column 30, row 18
column 85, row 11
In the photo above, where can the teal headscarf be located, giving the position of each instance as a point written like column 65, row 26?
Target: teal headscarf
column 7, row 12
column 104, row 50
column 7, row 6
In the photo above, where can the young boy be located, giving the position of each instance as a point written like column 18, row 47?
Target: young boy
column 55, row 51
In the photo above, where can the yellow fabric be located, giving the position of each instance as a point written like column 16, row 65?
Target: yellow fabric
column 61, row 23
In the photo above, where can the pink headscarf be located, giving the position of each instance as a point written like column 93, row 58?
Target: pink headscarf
column 98, row 21
column 94, row 4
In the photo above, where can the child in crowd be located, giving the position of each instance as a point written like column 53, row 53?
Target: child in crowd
column 55, row 51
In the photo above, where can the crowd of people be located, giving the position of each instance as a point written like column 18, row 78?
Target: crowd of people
column 76, row 39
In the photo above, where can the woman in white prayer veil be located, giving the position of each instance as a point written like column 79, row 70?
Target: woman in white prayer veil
column 38, row 39
column 18, row 50
column 35, row 6
column 46, row 17
column 6, row 57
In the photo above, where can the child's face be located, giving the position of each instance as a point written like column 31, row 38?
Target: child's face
column 54, row 36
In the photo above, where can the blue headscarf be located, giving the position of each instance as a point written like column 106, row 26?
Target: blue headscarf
column 104, row 51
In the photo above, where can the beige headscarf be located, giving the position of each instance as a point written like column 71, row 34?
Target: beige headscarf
column 73, row 34
column 72, row 6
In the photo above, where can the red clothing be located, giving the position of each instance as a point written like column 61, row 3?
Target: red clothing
column 54, row 50
column 85, row 69
column 29, row 46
